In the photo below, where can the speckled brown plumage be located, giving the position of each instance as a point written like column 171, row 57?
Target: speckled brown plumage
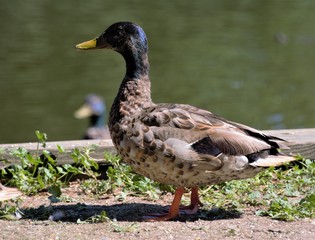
column 175, row 143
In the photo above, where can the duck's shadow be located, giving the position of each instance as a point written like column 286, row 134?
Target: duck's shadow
column 120, row 212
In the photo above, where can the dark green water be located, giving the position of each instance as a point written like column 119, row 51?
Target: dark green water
column 249, row 61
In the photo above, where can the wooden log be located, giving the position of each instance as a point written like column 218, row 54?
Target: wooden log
column 300, row 141
column 99, row 146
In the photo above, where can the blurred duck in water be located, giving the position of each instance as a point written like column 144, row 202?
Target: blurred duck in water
column 94, row 108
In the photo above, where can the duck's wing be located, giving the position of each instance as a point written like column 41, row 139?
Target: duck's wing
column 206, row 132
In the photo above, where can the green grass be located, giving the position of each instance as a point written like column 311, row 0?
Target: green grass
column 277, row 193
column 40, row 171
column 9, row 209
column 284, row 194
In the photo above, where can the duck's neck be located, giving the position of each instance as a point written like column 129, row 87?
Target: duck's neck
column 137, row 64
column 97, row 121
column 134, row 91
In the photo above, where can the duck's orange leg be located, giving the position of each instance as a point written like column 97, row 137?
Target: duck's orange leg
column 173, row 210
column 194, row 203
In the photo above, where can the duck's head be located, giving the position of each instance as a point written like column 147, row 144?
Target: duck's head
column 122, row 37
column 93, row 108
column 130, row 41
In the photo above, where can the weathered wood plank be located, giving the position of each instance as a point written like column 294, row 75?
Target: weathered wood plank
column 294, row 136
column 301, row 141
column 52, row 147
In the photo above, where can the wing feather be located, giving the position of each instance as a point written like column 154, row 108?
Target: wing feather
column 193, row 125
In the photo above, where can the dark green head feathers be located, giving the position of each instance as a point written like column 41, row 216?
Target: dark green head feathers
column 129, row 40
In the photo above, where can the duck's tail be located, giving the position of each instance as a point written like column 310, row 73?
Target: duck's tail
column 273, row 161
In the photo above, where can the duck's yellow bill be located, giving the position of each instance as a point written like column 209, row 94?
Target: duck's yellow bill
column 83, row 112
column 91, row 44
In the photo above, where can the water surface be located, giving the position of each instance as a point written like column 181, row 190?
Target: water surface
column 249, row 61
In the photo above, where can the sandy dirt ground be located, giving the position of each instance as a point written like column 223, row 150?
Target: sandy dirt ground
column 42, row 220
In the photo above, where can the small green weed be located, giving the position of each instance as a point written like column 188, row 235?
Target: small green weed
column 102, row 217
column 9, row 209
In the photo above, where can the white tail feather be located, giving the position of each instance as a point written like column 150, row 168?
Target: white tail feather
column 272, row 161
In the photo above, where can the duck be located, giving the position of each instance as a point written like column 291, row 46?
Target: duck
column 177, row 144
column 94, row 108
column 8, row 193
